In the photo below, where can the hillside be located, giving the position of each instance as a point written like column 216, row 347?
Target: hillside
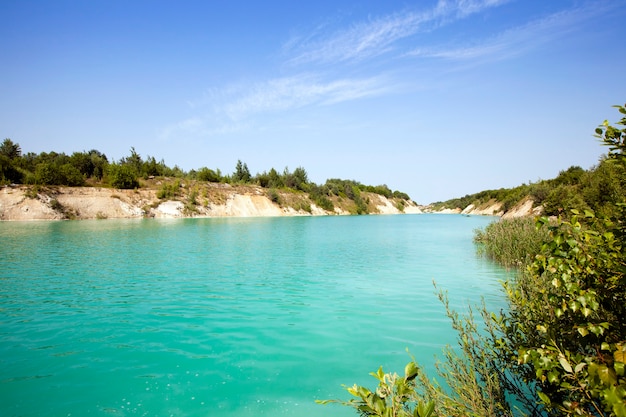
column 183, row 199
column 599, row 189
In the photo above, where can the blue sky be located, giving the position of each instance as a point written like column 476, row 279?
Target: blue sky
column 434, row 98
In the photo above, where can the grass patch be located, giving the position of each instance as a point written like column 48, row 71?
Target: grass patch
column 512, row 242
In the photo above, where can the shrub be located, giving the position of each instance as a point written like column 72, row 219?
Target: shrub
column 122, row 176
column 70, row 175
column 561, row 199
column 169, row 190
column 273, row 195
column 206, row 174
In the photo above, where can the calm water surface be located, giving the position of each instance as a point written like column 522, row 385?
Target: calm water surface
column 224, row 317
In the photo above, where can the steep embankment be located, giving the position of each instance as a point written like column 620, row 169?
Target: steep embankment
column 525, row 207
column 190, row 200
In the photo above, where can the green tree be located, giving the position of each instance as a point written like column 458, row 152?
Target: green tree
column 10, row 149
column 242, row 173
column 68, row 174
column 133, row 160
column 10, row 154
column 99, row 162
column 206, row 174
column 570, row 176
column 47, row 174
column 300, row 179
column 122, row 176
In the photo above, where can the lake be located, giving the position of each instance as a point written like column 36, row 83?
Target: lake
column 225, row 317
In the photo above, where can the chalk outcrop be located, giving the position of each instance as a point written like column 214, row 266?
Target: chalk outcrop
column 214, row 200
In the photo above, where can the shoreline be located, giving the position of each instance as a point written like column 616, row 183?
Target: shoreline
column 25, row 203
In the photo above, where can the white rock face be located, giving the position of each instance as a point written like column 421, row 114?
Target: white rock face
column 56, row 203
column 169, row 209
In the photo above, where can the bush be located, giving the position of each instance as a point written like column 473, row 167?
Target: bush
column 122, row 176
column 563, row 198
column 70, row 175
column 206, row 174
column 169, row 190
column 273, row 195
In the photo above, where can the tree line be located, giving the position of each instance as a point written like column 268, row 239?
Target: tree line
column 598, row 188
column 94, row 168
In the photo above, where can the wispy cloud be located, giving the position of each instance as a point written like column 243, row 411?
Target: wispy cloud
column 515, row 41
column 229, row 109
column 378, row 36
column 299, row 91
column 233, row 108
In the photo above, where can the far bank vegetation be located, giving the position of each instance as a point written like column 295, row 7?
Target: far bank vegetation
column 597, row 189
column 93, row 168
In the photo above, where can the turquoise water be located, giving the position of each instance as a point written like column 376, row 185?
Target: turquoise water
column 224, row 317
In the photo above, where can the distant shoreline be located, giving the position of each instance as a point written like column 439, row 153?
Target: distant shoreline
column 20, row 203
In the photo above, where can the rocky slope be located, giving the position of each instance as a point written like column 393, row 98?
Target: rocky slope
column 525, row 207
column 190, row 200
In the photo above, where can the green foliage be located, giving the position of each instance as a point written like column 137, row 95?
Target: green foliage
column 9, row 173
column 192, row 198
column 46, row 174
column 169, row 190
column 151, row 168
column 299, row 179
column 206, row 174
column 512, row 242
column 133, row 161
column 395, row 396
column 273, row 195
column 242, row 173
column 10, row 149
column 320, row 199
column 573, row 350
column 570, row 176
column 89, row 164
column 32, row 192
column 56, row 205
column 559, row 349
column 401, row 195
column 476, row 381
column 10, row 153
column 70, row 175
column 122, row 176
column 378, row 189
column 598, row 188
column 88, row 167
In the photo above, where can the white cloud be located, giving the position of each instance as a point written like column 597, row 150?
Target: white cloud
column 229, row 110
column 299, row 91
column 375, row 37
column 515, row 41
column 233, row 108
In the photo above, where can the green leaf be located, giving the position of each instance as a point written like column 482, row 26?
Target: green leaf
column 565, row 364
column 620, row 354
column 607, row 375
column 553, row 377
column 544, row 398
column 424, row 409
column 410, row 371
